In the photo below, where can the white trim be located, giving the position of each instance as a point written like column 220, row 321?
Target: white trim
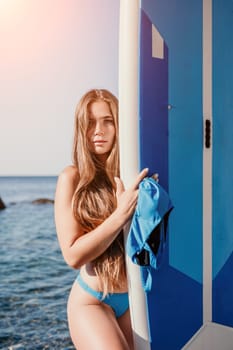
column 207, row 162
column 211, row 336
column 129, row 146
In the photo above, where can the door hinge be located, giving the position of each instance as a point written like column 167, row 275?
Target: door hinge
column 207, row 133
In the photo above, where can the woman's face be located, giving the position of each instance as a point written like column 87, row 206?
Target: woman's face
column 101, row 129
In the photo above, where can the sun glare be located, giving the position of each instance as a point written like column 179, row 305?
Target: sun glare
column 8, row 9
column 7, row 4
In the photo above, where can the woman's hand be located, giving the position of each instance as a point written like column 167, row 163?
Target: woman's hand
column 127, row 199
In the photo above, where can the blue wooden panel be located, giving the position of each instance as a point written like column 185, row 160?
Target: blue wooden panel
column 222, row 162
column 171, row 144
column 180, row 23
column 153, row 109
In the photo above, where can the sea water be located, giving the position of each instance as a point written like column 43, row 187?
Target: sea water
column 34, row 279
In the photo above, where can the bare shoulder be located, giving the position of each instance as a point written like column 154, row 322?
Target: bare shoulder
column 68, row 180
column 69, row 175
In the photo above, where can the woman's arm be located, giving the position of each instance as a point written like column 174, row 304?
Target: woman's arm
column 79, row 248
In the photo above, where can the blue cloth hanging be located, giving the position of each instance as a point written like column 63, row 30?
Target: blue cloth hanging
column 147, row 234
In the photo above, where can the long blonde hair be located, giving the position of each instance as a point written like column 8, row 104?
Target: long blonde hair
column 94, row 199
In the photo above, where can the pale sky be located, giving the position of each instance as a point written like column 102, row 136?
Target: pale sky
column 51, row 52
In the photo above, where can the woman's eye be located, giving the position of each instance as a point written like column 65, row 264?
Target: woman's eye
column 109, row 121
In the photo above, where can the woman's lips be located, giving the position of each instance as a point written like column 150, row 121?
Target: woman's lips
column 100, row 141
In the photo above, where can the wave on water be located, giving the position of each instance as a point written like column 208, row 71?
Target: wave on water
column 35, row 281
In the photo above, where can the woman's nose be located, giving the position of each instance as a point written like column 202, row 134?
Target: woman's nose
column 99, row 129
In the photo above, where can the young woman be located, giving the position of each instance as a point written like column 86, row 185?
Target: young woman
column 91, row 209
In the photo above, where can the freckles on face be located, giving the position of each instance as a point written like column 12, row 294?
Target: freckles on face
column 101, row 129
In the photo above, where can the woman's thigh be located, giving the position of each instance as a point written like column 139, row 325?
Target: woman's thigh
column 94, row 327
column 125, row 324
column 92, row 324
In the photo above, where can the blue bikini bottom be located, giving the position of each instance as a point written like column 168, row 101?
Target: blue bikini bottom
column 119, row 302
